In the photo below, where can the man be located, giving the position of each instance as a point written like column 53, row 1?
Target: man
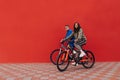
column 69, row 35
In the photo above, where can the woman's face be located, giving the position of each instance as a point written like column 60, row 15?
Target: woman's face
column 76, row 25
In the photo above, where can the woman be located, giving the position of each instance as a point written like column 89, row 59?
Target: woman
column 80, row 39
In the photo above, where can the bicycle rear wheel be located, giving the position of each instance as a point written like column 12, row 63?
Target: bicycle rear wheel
column 63, row 61
column 88, row 60
column 54, row 55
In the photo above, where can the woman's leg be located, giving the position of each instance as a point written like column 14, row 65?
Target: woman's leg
column 77, row 46
column 81, row 51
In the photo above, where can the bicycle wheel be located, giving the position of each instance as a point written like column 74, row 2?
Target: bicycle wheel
column 88, row 60
column 63, row 61
column 54, row 55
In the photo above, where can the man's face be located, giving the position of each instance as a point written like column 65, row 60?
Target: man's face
column 66, row 28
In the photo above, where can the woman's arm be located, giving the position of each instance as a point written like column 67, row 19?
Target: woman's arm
column 80, row 34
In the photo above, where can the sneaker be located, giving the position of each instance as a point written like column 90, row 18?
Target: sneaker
column 74, row 64
column 82, row 53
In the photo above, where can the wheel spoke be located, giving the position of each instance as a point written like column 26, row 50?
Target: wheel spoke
column 54, row 56
column 89, row 60
column 62, row 62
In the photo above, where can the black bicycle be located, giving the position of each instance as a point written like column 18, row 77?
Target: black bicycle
column 66, row 56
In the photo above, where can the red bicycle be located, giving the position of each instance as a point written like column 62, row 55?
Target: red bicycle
column 66, row 56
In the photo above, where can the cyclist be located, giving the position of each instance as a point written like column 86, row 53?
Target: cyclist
column 80, row 39
column 69, row 35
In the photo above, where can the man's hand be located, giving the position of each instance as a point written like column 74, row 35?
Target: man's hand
column 61, row 40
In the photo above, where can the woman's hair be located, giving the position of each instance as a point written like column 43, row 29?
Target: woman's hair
column 78, row 28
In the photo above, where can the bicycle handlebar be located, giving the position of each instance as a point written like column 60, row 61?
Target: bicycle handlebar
column 62, row 44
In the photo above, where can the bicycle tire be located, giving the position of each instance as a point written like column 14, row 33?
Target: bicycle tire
column 63, row 61
column 88, row 53
column 51, row 56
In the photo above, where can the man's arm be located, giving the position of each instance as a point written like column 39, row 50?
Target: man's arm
column 68, row 37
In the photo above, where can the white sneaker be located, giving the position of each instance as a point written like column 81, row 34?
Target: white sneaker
column 74, row 52
column 82, row 53
column 74, row 64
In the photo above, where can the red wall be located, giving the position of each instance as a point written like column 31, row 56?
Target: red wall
column 30, row 30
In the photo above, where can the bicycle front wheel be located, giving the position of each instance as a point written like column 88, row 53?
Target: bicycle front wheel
column 63, row 61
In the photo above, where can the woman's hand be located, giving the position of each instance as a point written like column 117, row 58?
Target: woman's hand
column 76, row 40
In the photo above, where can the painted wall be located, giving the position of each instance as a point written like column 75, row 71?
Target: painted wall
column 30, row 30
